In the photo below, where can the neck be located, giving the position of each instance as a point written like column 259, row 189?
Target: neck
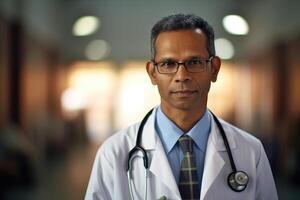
column 184, row 119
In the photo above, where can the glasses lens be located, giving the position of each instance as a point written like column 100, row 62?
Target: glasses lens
column 196, row 65
column 193, row 65
column 167, row 67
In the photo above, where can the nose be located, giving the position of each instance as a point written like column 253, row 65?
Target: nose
column 182, row 75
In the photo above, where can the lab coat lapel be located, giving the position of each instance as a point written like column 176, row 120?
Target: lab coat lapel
column 213, row 161
column 159, row 166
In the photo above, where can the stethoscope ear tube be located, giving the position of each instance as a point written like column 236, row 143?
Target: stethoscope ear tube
column 133, row 151
column 225, row 142
column 141, row 128
column 138, row 147
column 237, row 180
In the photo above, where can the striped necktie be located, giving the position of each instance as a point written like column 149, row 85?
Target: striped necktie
column 188, row 179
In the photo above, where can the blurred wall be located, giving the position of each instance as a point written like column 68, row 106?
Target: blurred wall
column 258, row 90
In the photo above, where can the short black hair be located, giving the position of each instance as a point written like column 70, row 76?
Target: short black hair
column 183, row 22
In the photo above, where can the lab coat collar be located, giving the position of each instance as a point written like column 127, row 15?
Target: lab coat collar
column 217, row 138
column 149, row 139
column 159, row 164
column 149, row 134
column 213, row 160
column 160, row 167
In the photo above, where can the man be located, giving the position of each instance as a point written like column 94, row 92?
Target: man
column 186, row 152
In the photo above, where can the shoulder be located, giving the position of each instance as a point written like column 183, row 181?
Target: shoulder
column 239, row 133
column 242, row 138
column 246, row 146
column 119, row 143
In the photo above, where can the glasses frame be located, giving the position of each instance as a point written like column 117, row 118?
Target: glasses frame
column 208, row 60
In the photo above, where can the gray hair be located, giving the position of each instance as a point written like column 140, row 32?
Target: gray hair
column 183, row 22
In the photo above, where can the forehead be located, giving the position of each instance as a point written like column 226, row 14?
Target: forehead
column 181, row 43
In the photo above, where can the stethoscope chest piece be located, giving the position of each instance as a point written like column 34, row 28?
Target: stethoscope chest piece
column 238, row 181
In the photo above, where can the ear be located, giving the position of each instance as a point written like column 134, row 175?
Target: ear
column 215, row 68
column 151, row 72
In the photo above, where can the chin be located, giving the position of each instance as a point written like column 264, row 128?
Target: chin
column 185, row 106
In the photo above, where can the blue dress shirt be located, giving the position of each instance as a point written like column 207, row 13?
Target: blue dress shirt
column 169, row 134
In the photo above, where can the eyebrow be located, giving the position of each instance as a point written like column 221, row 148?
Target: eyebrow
column 188, row 58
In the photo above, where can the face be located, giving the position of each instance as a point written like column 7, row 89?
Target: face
column 183, row 90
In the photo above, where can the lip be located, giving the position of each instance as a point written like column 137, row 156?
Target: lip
column 184, row 93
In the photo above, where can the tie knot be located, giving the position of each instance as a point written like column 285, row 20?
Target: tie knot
column 186, row 144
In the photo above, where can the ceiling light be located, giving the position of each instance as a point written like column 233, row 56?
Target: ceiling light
column 224, row 48
column 97, row 49
column 72, row 100
column 86, row 25
column 236, row 25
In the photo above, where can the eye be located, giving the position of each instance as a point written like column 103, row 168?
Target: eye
column 195, row 62
column 167, row 64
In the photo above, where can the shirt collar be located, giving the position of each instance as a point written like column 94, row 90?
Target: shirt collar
column 169, row 133
column 200, row 131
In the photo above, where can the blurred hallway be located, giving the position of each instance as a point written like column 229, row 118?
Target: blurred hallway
column 64, row 177
column 72, row 73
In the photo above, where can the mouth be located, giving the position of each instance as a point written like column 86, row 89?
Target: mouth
column 184, row 93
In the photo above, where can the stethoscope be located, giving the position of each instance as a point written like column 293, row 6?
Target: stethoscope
column 237, row 180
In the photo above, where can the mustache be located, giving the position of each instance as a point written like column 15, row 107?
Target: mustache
column 184, row 88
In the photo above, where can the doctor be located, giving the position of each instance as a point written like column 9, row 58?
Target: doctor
column 187, row 155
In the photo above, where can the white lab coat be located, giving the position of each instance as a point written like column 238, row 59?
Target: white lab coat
column 109, row 180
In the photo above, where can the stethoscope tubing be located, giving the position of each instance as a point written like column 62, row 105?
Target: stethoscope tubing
column 233, row 167
column 146, row 160
column 139, row 148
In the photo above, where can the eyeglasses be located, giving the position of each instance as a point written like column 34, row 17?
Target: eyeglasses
column 193, row 65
